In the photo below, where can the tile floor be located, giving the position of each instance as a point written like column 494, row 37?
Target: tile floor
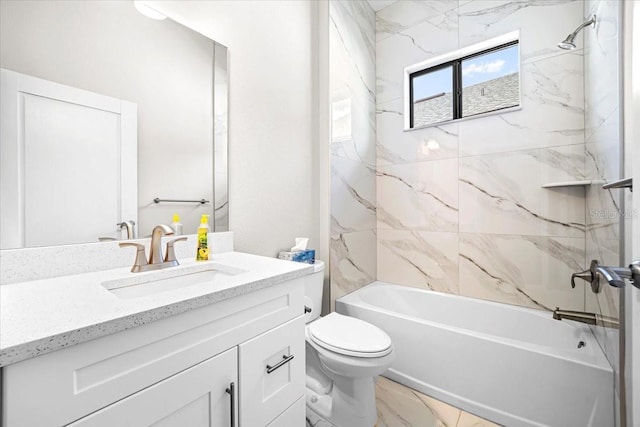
column 400, row 406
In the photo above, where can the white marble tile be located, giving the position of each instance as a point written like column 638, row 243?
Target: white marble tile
column 542, row 24
column 353, row 262
column 353, row 195
column 418, row 43
column 354, row 21
column 604, row 150
column 523, row 270
column 418, row 196
column 352, row 81
column 423, row 259
column 395, row 146
column 404, row 14
column 603, row 216
column 602, row 57
column 552, row 111
column 502, row 194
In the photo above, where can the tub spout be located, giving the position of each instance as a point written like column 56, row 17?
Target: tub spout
column 588, row 318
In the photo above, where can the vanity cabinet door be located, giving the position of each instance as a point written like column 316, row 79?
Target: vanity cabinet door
column 196, row 397
column 272, row 373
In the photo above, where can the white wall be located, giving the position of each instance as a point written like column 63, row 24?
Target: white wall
column 273, row 180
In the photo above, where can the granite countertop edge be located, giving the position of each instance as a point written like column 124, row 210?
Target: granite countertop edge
column 31, row 348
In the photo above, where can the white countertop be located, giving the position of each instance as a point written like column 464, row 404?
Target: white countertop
column 41, row 316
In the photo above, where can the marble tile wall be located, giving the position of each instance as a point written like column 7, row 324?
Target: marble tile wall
column 460, row 207
column 603, row 148
column 353, row 150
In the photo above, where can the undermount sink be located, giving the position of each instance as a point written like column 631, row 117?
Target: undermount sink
column 141, row 285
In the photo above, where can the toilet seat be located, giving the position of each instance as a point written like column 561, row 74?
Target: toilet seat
column 349, row 336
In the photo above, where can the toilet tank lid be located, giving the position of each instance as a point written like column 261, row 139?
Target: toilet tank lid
column 318, row 266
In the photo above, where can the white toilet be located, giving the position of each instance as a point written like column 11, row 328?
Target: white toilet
column 344, row 354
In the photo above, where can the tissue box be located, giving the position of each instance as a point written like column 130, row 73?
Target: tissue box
column 308, row 256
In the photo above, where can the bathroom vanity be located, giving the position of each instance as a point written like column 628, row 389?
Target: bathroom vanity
column 226, row 349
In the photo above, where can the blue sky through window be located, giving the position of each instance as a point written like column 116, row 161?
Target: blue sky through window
column 490, row 66
column 433, row 83
column 474, row 70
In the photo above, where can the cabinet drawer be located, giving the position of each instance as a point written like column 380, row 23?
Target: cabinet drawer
column 196, row 397
column 272, row 373
column 295, row 416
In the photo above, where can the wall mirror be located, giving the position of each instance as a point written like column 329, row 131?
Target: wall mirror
column 90, row 77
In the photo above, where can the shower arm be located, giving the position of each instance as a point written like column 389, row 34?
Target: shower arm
column 584, row 24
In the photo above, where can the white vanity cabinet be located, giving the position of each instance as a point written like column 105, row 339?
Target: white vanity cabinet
column 196, row 397
column 174, row 371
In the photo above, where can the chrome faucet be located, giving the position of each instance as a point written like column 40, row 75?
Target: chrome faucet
column 588, row 318
column 129, row 226
column 616, row 275
column 155, row 251
column 156, row 261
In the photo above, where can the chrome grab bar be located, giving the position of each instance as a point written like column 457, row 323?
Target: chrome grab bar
column 621, row 183
column 159, row 200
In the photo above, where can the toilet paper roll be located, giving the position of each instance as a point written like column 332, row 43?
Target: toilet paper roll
column 308, row 304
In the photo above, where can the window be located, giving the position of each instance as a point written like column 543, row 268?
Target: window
column 475, row 80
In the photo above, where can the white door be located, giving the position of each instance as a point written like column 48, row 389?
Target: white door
column 196, row 397
column 68, row 163
column 632, row 212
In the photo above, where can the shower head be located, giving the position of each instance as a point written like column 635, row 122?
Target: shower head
column 568, row 43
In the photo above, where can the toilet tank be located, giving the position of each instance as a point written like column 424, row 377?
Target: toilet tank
column 314, row 284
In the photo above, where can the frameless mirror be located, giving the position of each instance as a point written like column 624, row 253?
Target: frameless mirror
column 107, row 116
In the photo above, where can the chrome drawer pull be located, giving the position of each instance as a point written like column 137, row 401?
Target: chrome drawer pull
column 284, row 361
column 231, row 391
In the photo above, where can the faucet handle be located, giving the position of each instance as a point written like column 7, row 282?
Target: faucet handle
column 141, row 256
column 170, row 254
column 584, row 275
column 591, row 275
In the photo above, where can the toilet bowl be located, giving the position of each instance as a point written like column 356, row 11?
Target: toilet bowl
column 343, row 356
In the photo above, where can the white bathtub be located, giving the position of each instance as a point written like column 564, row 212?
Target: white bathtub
column 514, row 366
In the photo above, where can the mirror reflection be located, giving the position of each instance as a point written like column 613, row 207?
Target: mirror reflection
column 103, row 111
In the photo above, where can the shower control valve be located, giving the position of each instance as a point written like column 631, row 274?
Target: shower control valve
column 591, row 275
